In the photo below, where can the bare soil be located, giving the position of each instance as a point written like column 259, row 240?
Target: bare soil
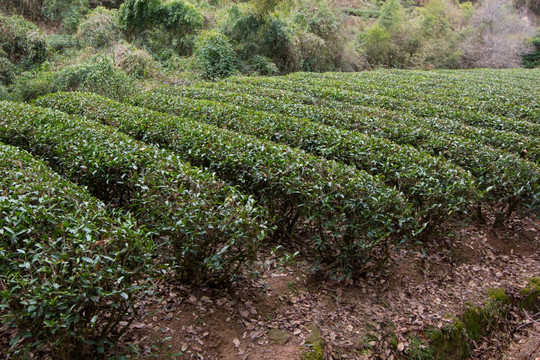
column 375, row 317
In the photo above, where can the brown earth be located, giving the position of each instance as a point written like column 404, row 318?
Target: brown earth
column 380, row 316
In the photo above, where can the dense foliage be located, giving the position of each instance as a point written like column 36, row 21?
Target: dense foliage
column 164, row 27
column 143, row 166
column 217, row 39
column 99, row 29
column 215, row 55
column 67, row 265
column 509, row 182
column 350, row 214
column 22, row 42
column 213, row 230
column 436, row 188
column 67, row 13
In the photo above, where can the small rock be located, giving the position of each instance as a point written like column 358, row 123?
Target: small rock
column 278, row 337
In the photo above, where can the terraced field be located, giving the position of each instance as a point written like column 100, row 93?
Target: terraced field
column 344, row 168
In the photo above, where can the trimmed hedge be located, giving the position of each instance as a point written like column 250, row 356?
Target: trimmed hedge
column 499, row 92
column 335, row 91
column 350, row 214
column 67, row 265
column 508, row 182
column 435, row 187
column 214, row 230
column 330, row 113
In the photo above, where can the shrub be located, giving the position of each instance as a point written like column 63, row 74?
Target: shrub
column 436, row 188
column 438, row 38
column 392, row 40
column 363, row 13
column 61, row 43
column 4, row 94
column 138, row 15
column 350, row 214
column 181, row 17
column 320, row 37
column 309, row 36
column 377, row 45
column 212, row 229
column 22, row 41
column 215, row 55
column 176, row 16
column 99, row 29
column 99, row 75
column 319, row 18
column 498, row 38
column 392, row 16
column 308, row 52
column 253, row 34
column 161, row 26
column 532, row 60
column 67, row 264
column 263, row 65
column 509, row 181
column 31, row 85
column 264, row 8
column 109, row 4
column 68, row 12
column 7, row 72
column 134, row 62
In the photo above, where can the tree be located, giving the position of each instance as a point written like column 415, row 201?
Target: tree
column 377, row 46
column 392, row 16
column 498, row 36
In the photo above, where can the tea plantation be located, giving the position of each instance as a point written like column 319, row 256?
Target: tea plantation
column 97, row 196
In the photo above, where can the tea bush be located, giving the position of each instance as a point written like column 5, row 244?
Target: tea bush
column 213, row 230
column 330, row 112
column 348, row 92
column 487, row 91
column 350, row 214
column 67, row 264
column 509, row 182
column 436, row 188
